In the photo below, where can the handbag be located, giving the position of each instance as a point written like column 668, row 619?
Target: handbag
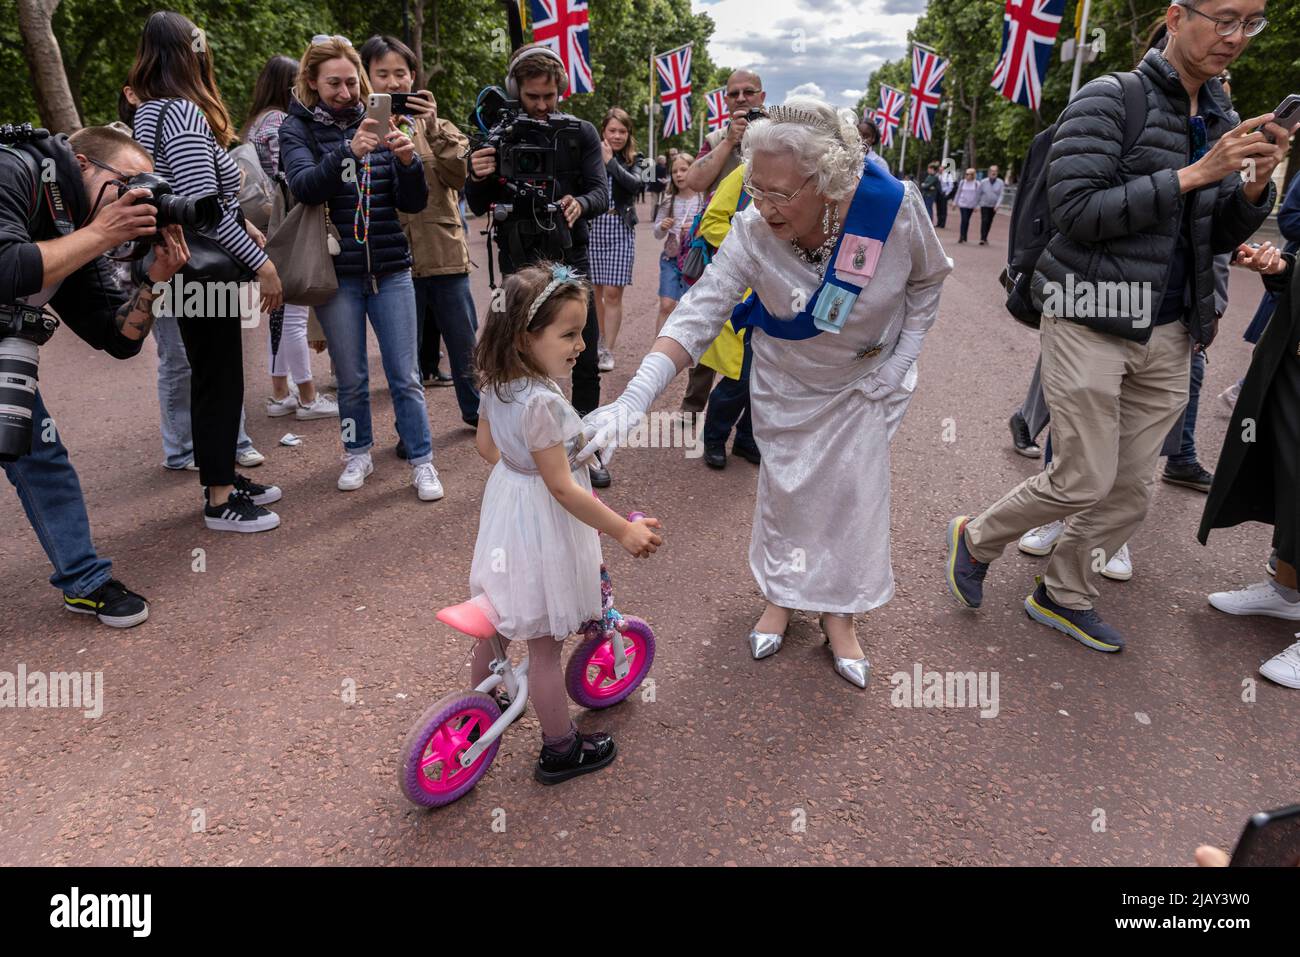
column 303, row 243
column 673, row 241
column 209, row 260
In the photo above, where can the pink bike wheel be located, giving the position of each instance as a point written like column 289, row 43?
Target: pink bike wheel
column 431, row 775
column 590, row 676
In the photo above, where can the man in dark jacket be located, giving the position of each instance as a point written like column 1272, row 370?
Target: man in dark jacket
column 58, row 260
column 538, row 76
column 1127, row 289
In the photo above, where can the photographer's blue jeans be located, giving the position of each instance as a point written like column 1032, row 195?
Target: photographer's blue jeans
column 50, row 491
column 1187, row 451
column 729, row 407
column 444, row 306
column 174, row 397
column 392, row 315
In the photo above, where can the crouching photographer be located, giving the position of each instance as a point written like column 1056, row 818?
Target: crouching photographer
column 542, row 174
column 64, row 203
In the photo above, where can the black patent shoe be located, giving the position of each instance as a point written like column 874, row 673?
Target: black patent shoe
column 553, row 767
column 599, row 477
column 715, row 456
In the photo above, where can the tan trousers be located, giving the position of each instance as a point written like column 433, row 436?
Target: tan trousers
column 698, row 387
column 1112, row 403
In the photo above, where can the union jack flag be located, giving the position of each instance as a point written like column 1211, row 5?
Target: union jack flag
column 889, row 115
column 562, row 26
column 1029, row 29
column 674, row 69
column 927, row 86
column 717, row 108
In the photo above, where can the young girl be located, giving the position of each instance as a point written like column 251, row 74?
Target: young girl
column 673, row 223
column 536, row 569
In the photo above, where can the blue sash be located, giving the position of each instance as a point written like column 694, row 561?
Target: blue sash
column 871, row 214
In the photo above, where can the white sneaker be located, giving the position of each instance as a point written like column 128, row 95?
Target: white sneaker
column 1120, row 566
column 604, row 359
column 1041, row 540
column 425, row 479
column 250, row 458
column 278, row 407
column 1284, row 668
column 355, row 470
column 323, row 408
column 1258, row 599
column 1230, row 395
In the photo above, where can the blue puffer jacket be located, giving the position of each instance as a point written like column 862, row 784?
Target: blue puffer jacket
column 312, row 155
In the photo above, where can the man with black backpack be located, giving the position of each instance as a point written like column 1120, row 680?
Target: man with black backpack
column 1125, row 285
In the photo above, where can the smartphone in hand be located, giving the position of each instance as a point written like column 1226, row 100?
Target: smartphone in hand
column 379, row 106
column 1270, row 839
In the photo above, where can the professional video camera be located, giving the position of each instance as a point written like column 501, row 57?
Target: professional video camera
column 526, row 152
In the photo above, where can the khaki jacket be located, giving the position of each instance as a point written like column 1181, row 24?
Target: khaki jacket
column 435, row 234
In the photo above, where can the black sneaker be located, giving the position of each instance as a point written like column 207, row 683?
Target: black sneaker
column 1084, row 626
column 715, row 456
column 589, row 752
column 965, row 574
column 112, row 603
column 749, row 453
column 260, row 494
column 1188, row 476
column 599, row 477
column 239, row 513
column 1020, row 437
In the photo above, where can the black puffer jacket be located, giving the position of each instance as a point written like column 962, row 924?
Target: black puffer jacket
column 1117, row 217
column 312, row 155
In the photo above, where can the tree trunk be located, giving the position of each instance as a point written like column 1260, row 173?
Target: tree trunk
column 41, row 50
column 970, row 135
column 417, row 43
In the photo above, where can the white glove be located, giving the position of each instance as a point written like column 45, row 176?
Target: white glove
column 611, row 423
column 892, row 373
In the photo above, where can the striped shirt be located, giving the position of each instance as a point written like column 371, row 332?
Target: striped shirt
column 186, row 162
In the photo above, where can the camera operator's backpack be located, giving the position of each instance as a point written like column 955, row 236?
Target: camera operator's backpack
column 255, row 187
column 1031, row 218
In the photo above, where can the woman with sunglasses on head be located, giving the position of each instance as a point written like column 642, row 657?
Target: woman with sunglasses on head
column 182, row 120
column 333, row 155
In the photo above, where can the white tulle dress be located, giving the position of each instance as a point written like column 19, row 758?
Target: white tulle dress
column 536, row 568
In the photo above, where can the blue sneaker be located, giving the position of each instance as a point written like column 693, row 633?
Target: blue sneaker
column 965, row 574
column 1083, row 626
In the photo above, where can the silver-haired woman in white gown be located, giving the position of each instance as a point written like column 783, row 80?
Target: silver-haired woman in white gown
column 833, row 367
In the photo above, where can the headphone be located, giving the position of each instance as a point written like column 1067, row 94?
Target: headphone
column 512, row 85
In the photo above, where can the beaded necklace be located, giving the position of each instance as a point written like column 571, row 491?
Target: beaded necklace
column 362, row 212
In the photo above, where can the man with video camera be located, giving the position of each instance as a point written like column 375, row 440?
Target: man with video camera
column 64, row 203
column 542, row 211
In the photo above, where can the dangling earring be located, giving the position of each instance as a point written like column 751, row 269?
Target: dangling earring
column 826, row 219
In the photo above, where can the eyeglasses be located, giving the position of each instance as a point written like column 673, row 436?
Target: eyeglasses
column 1226, row 27
column 110, row 169
column 322, row 38
column 748, row 93
column 776, row 199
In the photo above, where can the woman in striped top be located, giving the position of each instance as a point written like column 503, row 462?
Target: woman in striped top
column 175, row 84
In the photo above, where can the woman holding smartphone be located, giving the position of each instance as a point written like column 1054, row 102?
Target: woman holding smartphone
column 333, row 154
column 440, row 256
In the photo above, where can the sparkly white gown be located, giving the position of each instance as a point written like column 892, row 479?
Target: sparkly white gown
column 536, row 568
column 820, row 540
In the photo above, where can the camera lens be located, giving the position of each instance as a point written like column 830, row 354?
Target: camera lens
column 201, row 213
column 18, row 366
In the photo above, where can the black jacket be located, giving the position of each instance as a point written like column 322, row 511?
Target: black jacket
column 1118, row 216
column 312, row 156
column 579, row 172
column 89, row 299
column 627, row 186
column 1244, row 488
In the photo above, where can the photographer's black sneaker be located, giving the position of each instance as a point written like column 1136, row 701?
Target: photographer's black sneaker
column 239, row 513
column 112, row 603
column 260, row 494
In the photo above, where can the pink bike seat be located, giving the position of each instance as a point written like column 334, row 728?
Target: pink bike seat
column 468, row 618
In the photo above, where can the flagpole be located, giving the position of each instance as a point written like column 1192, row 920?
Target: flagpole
column 1078, row 49
column 946, row 127
column 651, row 108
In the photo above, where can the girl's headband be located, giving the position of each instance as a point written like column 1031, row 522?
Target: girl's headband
column 560, row 276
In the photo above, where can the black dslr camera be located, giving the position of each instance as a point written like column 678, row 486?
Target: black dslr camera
column 201, row 213
column 526, row 152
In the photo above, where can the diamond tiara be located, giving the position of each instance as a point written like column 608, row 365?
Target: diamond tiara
column 786, row 114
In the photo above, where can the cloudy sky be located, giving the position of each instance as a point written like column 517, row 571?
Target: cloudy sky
column 824, row 47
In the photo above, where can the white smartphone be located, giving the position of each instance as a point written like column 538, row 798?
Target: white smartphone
column 379, row 107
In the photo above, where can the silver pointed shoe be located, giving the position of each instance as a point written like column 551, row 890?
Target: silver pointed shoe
column 763, row 644
column 856, row 671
